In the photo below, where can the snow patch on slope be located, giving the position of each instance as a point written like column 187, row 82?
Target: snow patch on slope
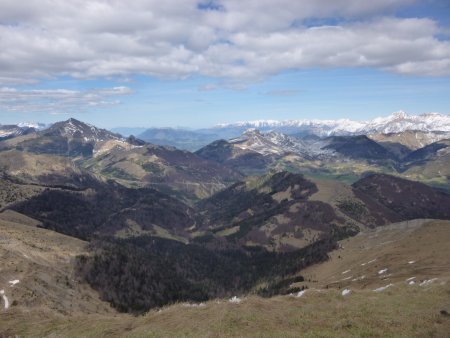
column 274, row 143
column 5, row 299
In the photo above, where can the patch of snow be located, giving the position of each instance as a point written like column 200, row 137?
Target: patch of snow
column 346, row 271
column 369, row 262
column 345, row 292
column 427, row 282
column 410, row 278
column 382, row 271
column 14, row 282
column 235, row 300
column 5, row 299
column 411, row 262
column 383, row 288
column 346, row 278
column 194, row 305
column 300, row 293
column 412, row 282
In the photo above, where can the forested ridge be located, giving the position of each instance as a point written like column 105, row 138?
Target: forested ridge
column 140, row 273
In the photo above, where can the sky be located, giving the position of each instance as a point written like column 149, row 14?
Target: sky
column 197, row 63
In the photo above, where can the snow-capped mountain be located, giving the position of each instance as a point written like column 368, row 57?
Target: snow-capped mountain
column 274, row 143
column 254, row 140
column 394, row 123
column 400, row 121
column 73, row 128
column 256, row 151
column 12, row 130
column 9, row 131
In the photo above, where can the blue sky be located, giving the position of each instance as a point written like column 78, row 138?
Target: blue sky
column 181, row 64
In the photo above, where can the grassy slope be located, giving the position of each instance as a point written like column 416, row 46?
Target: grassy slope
column 392, row 247
column 43, row 262
column 170, row 170
column 400, row 311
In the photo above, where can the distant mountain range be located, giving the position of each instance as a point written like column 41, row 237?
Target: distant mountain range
column 9, row 131
column 195, row 139
column 395, row 123
column 12, row 130
column 420, row 154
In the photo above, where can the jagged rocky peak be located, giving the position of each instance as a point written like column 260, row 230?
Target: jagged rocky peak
column 73, row 128
column 276, row 143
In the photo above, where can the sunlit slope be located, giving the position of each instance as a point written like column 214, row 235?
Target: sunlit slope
column 405, row 253
column 37, row 269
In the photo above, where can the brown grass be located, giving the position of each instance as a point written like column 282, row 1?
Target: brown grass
column 43, row 261
column 400, row 311
column 392, row 247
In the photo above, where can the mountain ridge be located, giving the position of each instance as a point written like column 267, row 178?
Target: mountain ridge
column 194, row 139
column 396, row 122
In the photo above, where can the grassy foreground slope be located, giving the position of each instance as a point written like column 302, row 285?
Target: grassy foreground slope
column 402, row 310
column 397, row 312
column 42, row 264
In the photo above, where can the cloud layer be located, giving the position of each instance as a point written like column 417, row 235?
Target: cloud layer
column 59, row 101
column 234, row 40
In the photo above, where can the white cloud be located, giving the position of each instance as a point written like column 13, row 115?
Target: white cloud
column 234, row 40
column 59, row 101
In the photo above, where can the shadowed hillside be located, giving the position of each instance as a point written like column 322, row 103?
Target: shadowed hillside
column 407, row 199
column 108, row 209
